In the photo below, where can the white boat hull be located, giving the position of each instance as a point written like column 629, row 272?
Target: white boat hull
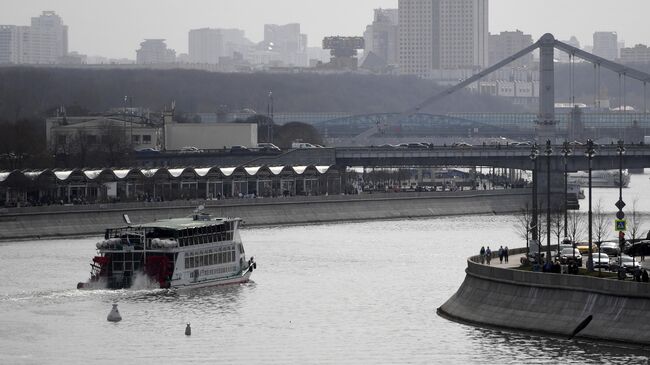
column 239, row 279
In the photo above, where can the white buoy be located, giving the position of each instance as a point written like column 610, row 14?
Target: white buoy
column 114, row 315
column 188, row 330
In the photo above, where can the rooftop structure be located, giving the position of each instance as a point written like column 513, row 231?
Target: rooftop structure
column 343, row 51
column 155, row 51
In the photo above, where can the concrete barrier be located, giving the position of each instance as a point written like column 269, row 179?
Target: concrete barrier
column 552, row 303
column 84, row 220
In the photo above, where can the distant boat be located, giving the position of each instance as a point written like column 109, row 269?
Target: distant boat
column 599, row 178
column 191, row 252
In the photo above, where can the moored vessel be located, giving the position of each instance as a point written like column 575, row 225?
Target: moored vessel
column 600, row 178
column 196, row 251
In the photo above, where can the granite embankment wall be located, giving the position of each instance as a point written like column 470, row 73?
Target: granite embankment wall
column 552, row 303
column 61, row 221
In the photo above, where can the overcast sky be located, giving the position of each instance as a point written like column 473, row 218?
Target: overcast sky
column 114, row 28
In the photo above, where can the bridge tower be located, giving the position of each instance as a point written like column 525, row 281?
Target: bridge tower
column 546, row 124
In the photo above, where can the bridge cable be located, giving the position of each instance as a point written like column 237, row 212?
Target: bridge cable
column 600, row 98
column 620, row 92
column 595, row 88
column 573, row 83
column 570, row 78
column 645, row 103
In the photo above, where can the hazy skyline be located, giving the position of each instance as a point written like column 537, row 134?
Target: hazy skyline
column 115, row 29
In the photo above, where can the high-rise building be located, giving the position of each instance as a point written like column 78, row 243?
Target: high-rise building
column 506, row 44
column 287, row 42
column 207, row 45
column 442, row 35
column 606, row 45
column 10, row 45
column 45, row 41
column 381, row 37
column 155, row 51
column 639, row 54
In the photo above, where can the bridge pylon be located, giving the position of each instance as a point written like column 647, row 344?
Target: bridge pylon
column 546, row 123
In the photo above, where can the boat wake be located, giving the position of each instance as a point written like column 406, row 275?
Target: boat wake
column 142, row 281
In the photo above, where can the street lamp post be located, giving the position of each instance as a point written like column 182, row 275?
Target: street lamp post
column 590, row 155
column 534, row 151
column 566, row 151
column 548, row 152
column 269, row 129
column 620, row 204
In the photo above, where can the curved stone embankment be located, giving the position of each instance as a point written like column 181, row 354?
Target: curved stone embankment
column 88, row 220
column 552, row 304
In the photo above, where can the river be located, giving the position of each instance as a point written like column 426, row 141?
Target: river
column 358, row 293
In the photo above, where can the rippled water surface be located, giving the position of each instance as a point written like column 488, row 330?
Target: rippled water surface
column 327, row 294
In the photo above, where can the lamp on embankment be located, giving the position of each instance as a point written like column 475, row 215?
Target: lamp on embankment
column 590, row 153
column 620, row 204
column 548, row 151
column 534, row 152
column 566, row 151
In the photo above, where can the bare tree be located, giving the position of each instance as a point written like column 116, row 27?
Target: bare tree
column 557, row 224
column 634, row 228
column 522, row 227
column 602, row 227
column 114, row 143
column 575, row 226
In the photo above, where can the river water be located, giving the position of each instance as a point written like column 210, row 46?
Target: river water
column 360, row 293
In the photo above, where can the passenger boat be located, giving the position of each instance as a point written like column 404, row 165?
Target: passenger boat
column 192, row 252
column 599, row 178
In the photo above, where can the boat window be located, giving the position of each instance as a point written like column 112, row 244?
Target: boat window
column 187, row 262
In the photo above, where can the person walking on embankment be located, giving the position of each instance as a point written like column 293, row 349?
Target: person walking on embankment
column 488, row 255
column 482, row 254
column 501, row 255
column 505, row 254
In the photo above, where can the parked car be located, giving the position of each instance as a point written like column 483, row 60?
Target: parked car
column 628, row 263
column 461, row 145
column 569, row 255
column 239, row 149
column 297, row 145
column 610, row 248
column 417, row 145
column 521, row 144
column 190, row 149
column 583, row 247
column 265, row 146
column 147, row 151
column 601, row 260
